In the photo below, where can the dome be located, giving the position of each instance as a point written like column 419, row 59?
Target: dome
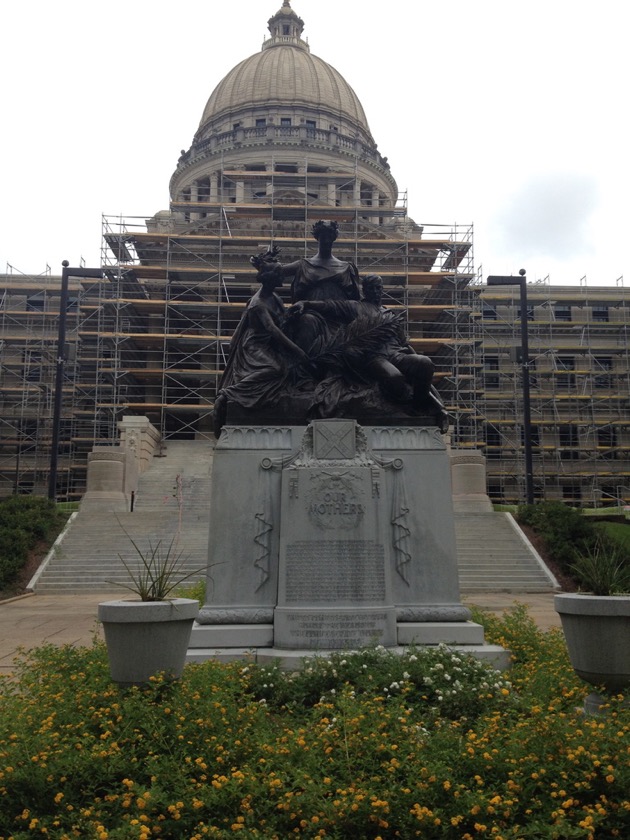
column 285, row 74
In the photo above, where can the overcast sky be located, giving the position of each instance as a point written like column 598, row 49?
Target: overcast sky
column 512, row 116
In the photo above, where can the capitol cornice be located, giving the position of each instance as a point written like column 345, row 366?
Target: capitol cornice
column 328, row 142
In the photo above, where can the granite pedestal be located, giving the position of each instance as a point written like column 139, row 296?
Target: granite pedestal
column 332, row 537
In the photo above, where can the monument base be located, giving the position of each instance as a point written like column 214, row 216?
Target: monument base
column 255, row 643
column 292, row 660
column 339, row 537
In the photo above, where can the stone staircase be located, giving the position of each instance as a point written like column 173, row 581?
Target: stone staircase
column 494, row 555
column 173, row 498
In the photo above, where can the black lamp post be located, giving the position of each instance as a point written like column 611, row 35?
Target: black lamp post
column 521, row 282
column 66, row 273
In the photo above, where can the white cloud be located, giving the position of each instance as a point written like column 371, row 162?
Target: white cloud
column 548, row 216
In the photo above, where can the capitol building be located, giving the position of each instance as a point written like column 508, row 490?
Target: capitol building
column 282, row 142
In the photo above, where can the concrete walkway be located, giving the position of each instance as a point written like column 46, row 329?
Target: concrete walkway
column 33, row 620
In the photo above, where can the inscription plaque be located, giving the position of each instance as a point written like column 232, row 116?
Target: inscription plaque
column 335, row 630
column 334, row 579
column 332, row 571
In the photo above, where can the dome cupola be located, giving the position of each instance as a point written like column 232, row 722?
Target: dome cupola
column 286, row 28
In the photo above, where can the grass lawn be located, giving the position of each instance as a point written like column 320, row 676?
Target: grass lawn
column 619, row 530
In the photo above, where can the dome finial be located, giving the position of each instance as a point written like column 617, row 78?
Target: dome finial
column 286, row 29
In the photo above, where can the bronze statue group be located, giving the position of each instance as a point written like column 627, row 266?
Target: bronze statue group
column 333, row 353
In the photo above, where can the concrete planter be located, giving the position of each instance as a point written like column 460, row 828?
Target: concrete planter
column 146, row 637
column 597, row 632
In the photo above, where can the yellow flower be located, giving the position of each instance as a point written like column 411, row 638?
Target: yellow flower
column 58, row 797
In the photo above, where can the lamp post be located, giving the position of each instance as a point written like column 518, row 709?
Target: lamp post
column 521, row 282
column 66, row 274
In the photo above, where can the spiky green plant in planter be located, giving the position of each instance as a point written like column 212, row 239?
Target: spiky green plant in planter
column 596, row 624
column 149, row 634
column 159, row 571
column 603, row 569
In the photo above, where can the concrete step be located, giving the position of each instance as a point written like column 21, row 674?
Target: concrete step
column 495, row 556
column 174, row 497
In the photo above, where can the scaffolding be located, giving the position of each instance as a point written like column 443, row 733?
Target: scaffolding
column 579, row 389
column 152, row 336
column 192, row 288
column 29, row 318
column 187, row 279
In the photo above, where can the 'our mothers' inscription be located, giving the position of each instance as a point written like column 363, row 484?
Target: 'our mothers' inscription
column 334, row 571
column 336, row 502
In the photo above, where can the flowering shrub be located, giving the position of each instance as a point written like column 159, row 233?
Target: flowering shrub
column 224, row 752
column 436, row 681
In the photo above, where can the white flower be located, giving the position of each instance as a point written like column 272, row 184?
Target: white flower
column 447, row 677
column 406, row 675
column 413, row 658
